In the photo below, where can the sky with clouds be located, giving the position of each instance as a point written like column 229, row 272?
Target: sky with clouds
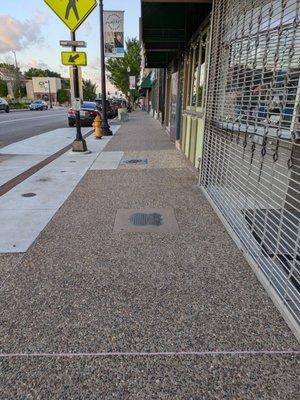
column 31, row 29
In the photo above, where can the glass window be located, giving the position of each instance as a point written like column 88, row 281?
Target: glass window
column 194, row 76
column 202, row 72
column 189, row 66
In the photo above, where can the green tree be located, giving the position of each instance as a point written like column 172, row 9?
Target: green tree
column 16, row 82
column 89, row 90
column 63, row 96
column 37, row 72
column 118, row 68
column 65, row 83
column 3, row 88
column 9, row 67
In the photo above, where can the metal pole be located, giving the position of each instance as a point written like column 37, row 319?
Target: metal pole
column 105, row 125
column 50, row 99
column 79, row 144
column 17, row 76
column 16, row 62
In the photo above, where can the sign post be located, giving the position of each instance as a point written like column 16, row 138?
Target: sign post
column 79, row 143
column 105, row 126
column 73, row 13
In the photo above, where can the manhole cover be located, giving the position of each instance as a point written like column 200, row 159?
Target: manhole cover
column 28, row 194
column 135, row 162
column 142, row 219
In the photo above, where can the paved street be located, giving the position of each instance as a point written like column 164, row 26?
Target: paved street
column 17, row 126
column 102, row 307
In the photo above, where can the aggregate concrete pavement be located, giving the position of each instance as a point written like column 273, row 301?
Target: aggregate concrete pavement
column 92, row 314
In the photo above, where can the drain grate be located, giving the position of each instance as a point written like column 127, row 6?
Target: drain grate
column 142, row 219
column 28, row 194
column 134, row 161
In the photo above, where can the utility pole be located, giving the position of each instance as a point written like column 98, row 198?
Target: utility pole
column 49, row 92
column 105, row 125
column 16, row 62
column 16, row 88
column 79, row 144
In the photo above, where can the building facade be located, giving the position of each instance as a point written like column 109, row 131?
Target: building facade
column 43, row 88
column 227, row 91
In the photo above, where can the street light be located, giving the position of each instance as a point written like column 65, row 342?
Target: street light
column 129, row 92
column 16, row 84
column 15, row 55
column 105, row 125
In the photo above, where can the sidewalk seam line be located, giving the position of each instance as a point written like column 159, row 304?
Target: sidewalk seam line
column 153, row 354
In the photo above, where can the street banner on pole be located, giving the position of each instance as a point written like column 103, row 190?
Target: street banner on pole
column 72, row 12
column 73, row 58
column 114, row 34
column 132, row 82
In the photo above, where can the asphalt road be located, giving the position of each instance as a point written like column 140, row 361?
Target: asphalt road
column 17, row 126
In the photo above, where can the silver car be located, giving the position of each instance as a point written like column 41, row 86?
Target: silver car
column 4, row 105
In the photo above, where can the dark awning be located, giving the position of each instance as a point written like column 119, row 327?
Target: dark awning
column 167, row 26
column 146, row 83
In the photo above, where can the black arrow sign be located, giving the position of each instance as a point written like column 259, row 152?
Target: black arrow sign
column 72, row 59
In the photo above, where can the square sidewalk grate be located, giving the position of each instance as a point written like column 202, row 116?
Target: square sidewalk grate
column 147, row 220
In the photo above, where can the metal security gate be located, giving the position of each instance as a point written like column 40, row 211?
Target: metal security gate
column 251, row 163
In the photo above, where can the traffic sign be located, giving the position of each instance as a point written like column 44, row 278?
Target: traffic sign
column 72, row 43
column 73, row 58
column 72, row 12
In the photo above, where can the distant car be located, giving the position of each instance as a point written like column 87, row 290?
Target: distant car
column 88, row 113
column 4, row 105
column 121, row 103
column 38, row 105
column 111, row 110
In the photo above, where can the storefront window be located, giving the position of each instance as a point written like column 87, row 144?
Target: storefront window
column 202, row 72
column 188, row 74
column 195, row 71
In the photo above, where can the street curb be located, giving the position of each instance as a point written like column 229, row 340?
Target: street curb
column 17, row 110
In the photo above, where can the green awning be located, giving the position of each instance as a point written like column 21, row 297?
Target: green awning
column 147, row 82
column 167, row 26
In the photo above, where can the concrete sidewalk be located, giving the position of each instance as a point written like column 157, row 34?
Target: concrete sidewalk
column 94, row 312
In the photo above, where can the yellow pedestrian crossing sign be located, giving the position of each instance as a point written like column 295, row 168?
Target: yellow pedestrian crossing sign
column 72, row 12
column 74, row 58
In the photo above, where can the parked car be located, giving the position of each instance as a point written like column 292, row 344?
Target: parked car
column 88, row 113
column 4, row 105
column 111, row 110
column 122, row 103
column 38, row 105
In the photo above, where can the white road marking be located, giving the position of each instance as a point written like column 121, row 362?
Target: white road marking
column 11, row 121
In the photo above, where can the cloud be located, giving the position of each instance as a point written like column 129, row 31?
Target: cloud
column 36, row 64
column 18, row 35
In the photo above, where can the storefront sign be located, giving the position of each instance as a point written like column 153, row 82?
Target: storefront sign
column 114, row 33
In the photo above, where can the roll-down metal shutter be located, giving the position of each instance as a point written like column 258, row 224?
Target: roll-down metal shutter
column 251, row 163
